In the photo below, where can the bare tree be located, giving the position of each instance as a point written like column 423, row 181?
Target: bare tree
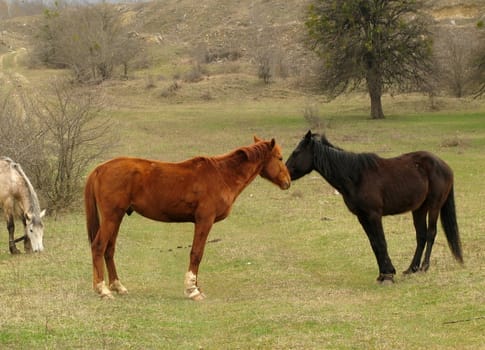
column 89, row 40
column 479, row 62
column 452, row 49
column 21, row 135
column 55, row 136
column 264, row 66
column 76, row 134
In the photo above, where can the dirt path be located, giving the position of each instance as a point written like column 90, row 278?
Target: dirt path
column 11, row 80
column 8, row 73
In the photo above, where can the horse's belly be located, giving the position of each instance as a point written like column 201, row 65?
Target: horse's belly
column 402, row 203
column 166, row 213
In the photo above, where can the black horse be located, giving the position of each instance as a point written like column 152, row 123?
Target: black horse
column 373, row 187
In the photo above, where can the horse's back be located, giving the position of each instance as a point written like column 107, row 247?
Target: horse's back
column 8, row 181
column 158, row 190
column 412, row 178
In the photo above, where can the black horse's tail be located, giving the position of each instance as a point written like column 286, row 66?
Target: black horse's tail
column 450, row 226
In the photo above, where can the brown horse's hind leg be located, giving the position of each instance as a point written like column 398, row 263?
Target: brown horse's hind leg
column 419, row 218
column 98, row 249
column 202, row 229
column 114, row 282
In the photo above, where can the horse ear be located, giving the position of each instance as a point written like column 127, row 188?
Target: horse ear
column 42, row 213
column 257, row 139
column 308, row 135
column 273, row 143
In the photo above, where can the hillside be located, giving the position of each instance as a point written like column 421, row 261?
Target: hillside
column 232, row 35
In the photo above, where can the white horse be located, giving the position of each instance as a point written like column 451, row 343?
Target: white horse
column 18, row 199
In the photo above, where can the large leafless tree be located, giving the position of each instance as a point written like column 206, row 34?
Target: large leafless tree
column 379, row 43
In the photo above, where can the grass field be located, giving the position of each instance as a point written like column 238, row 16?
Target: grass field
column 290, row 270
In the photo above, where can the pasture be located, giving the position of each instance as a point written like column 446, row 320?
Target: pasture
column 287, row 269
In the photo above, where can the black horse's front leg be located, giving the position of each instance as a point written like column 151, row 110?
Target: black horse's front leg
column 372, row 225
column 11, row 239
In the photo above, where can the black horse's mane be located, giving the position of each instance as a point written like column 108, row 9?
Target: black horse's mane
column 341, row 168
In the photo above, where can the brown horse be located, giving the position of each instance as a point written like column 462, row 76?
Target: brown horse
column 373, row 187
column 201, row 190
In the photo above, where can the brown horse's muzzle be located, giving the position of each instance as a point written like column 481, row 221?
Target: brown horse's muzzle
column 286, row 183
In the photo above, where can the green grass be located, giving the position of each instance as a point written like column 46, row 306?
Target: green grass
column 292, row 270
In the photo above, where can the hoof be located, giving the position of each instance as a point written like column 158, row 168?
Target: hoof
column 199, row 297
column 107, row 296
column 103, row 291
column 195, row 294
column 424, row 268
column 385, row 279
column 387, row 282
column 116, row 286
column 14, row 250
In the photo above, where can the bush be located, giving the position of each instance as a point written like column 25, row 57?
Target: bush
column 55, row 136
column 92, row 41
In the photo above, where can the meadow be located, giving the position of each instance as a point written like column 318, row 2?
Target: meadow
column 287, row 269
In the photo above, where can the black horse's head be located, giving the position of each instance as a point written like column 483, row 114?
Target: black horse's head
column 300, row 161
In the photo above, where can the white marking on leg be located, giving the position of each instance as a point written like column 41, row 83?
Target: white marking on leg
column 192, row 291
column 103, row 291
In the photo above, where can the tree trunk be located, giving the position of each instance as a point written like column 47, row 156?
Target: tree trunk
column 374, row 85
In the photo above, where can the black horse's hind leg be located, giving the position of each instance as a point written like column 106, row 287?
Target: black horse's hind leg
column 419, row 218
column 430, row 237
column 11, row 239
column 373, row 228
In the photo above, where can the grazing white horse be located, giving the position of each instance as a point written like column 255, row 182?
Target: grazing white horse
column 18, row 199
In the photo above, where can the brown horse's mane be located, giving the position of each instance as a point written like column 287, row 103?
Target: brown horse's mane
column 255, row 152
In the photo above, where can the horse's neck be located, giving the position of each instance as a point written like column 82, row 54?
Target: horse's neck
column 239, row 174
column 325, row 162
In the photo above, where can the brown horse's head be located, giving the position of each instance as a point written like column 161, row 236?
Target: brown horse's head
column 274, row 169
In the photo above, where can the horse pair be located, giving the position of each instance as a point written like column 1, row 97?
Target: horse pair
column 202, row 190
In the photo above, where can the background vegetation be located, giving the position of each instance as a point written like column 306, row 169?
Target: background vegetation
column 288, row 269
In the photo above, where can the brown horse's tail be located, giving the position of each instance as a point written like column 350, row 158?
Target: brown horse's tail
column 450, row 226
column 92, row 218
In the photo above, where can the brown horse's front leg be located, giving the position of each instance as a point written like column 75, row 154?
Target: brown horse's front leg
column 202, row 229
